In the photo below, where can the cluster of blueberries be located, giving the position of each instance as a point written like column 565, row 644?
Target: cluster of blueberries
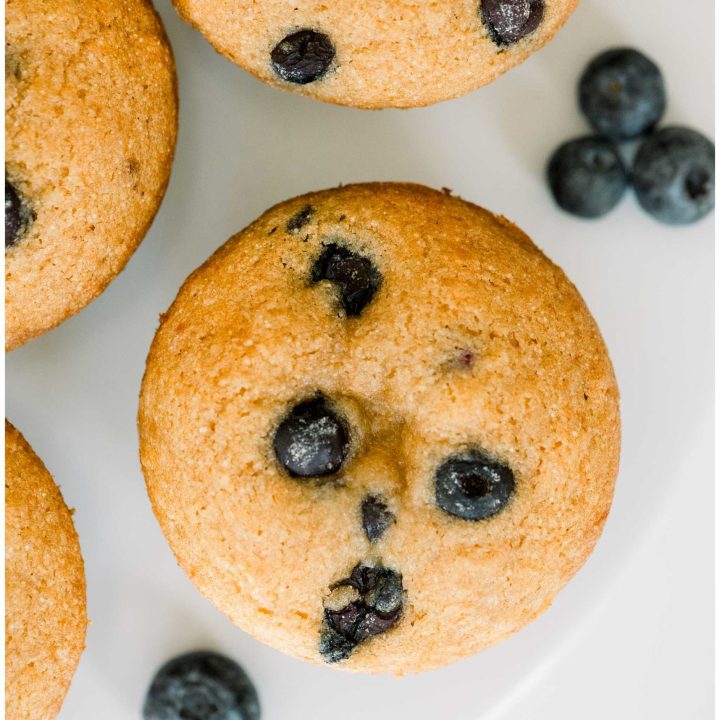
column 622, row 95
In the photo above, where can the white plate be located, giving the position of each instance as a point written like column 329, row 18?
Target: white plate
column 243, row 147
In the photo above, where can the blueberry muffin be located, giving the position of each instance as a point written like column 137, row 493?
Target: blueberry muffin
column 90, row 125
column 379, row 428
column 45, row 613
column 378, row 53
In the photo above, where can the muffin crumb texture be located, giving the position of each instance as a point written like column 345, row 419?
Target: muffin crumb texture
column 378, row 53
column 90, row 126
column 45, row 607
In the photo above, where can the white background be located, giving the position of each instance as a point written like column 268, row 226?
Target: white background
column 631, row 636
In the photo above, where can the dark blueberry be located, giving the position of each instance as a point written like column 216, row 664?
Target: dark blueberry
column 508, row 21
column 473, row 486
column 674, row 175
column 312, row 440
column 378, row 609
column 302, row 57
column 18, row 215
column 622, row 94
column 346, row 619
column 376, row 518
column 587, row 176
column 360, row 578
column 386, row 594
column 201, row 686
column 375, row 623
column 363, row 578
column 300, row 219
column 368, row 580
column 334, row 646
column 356, row 277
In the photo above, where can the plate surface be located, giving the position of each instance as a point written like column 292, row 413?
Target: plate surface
column 243, row 147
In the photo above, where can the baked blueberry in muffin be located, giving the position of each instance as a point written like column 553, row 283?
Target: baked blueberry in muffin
column 378, row 53
column 379, row 428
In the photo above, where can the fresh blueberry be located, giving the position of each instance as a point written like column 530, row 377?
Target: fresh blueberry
column 356, row 277
column 312, row 440
column 377, row 609
column 508, row 21
column 303, row 57
column 300, row 219
column 674, row 175
column 376, row 518
column 201, row 686
column 473, row 486
column 18, row 214
column 622, row 94
column 587, row 176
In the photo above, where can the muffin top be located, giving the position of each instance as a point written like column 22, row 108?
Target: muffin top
column 378, row 53
column 379, row 428
column 91, row 119
column 45, row 610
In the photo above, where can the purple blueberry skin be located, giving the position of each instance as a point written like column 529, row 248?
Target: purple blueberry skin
column 201, row 686
column 622, row 94
column 674, row 175
column 587, row 176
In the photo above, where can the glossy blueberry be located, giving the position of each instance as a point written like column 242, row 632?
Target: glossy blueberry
column 508, row 21
column 355, row 276
column 303, row 57
column 312, row 440
column 674, row 175
column 622, row 94
column 473, row 486
column 376, row 517
column 18, row 215
column 587, row 176
column 379, row 608
column 300, row 219
column 201, row 686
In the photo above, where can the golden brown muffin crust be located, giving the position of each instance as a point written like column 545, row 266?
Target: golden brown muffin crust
column 91, row 120
column 45, row 610
column 388, row 53
column 248, row 336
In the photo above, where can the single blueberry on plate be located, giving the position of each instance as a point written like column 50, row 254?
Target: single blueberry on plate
column 622, row 94
column 508, row 21
column 587, row 176
column 303, row 56
column 674, row 175
column 18, row 215
column 473, row 486
column 201, row 686
column 355, row 276
column 312, row 440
